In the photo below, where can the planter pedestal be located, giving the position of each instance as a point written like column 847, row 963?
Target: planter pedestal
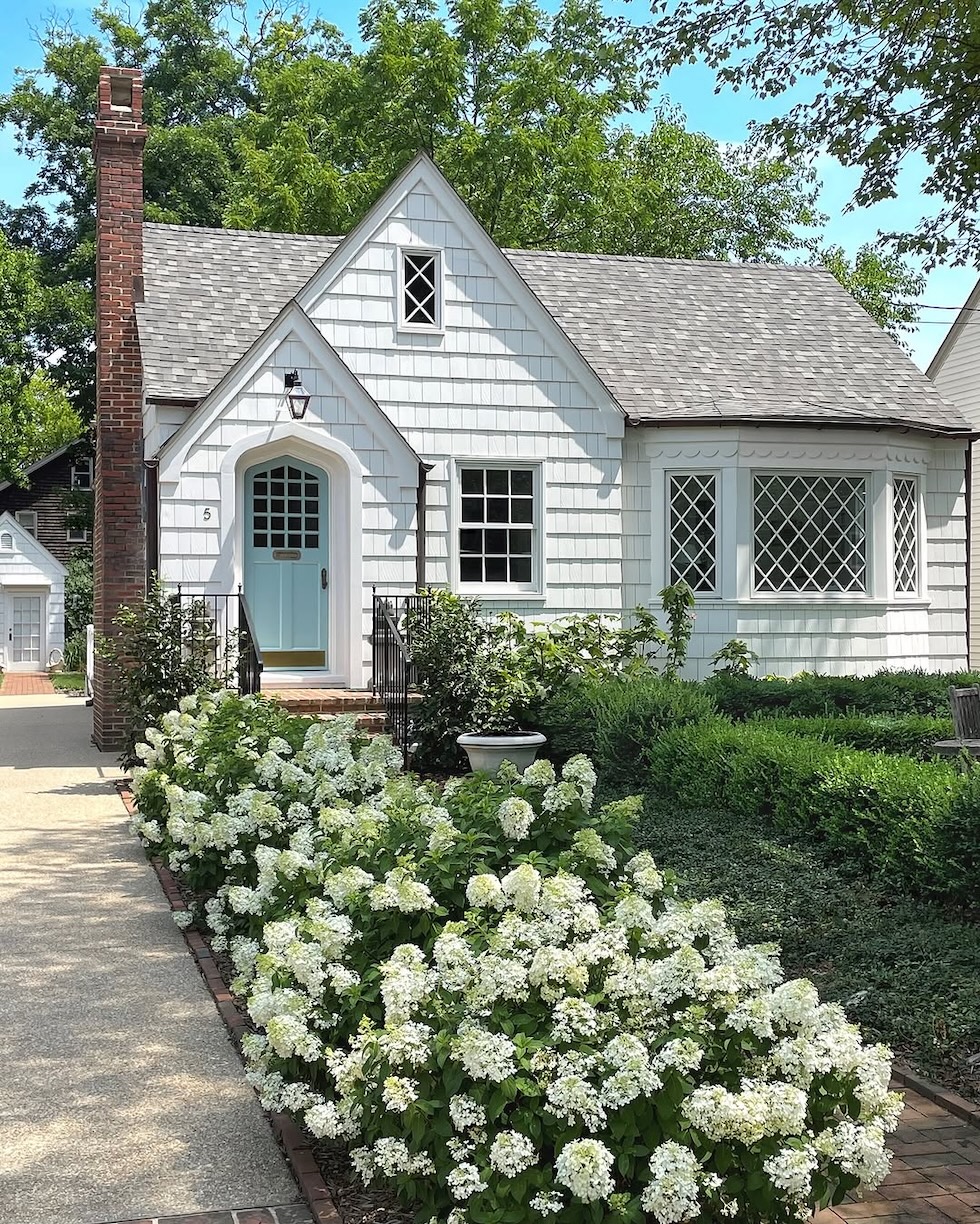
column 488, row 752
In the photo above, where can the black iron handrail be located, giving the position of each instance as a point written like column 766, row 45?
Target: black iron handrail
column 250, row 662
column 217, row 635
column 392, row 672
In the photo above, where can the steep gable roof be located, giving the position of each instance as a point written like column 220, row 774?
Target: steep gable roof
column 673, row 340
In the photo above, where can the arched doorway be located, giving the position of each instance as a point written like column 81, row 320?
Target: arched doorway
column 286, row 560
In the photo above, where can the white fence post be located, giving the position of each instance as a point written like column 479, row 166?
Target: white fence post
column 89, row 660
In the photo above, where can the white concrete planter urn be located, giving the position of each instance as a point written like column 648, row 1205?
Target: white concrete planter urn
column 488, row 752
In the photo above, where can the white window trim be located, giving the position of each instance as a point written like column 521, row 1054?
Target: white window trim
column 77, row 535
column 537, row 587
column 876, row 521
column 88, row 465
column 422, row 329
column 905, row 597
column 669, row 474
column 20, row 522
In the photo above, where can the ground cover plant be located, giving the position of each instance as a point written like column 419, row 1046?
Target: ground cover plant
column 493, row 995
column 68, row 682
column 907, row 970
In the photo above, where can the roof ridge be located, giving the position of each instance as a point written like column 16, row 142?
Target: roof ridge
column 240, row 233
column 543, row 252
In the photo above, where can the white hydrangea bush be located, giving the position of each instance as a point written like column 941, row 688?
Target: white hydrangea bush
column 224, row 775
column 506, row 1013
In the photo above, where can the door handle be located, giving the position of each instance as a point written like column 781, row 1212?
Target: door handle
column 323, row 578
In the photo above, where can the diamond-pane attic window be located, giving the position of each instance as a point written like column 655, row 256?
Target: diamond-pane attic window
column 420, row 289
column 810, row 533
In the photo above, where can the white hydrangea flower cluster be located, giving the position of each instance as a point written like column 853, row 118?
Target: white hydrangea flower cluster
column 580, row 1001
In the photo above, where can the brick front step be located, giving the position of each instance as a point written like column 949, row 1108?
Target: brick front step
column 326, row 701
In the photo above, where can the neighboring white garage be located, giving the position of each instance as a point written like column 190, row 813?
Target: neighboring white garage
column 32, row 600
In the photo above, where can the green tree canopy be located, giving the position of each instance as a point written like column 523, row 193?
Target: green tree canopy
column 883, row 81
column 285, row 126
column 35, row 415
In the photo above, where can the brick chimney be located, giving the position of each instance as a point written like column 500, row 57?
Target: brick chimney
column 120, row 538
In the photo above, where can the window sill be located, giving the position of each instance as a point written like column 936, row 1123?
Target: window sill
column 418, row 329
column 865, row 602
column 501, row 593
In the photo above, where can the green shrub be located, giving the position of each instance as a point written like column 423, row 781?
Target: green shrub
column 510, row 1013
column 911, row 735
column 74, row 652
column 892, row 815
column 811, row 696
column 160, row 651
column 78, row 594
column 485, row 674
column 614, row 720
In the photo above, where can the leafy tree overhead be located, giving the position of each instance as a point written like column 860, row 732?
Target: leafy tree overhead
column 278, row 123
column 35, row 415
column 884, row 81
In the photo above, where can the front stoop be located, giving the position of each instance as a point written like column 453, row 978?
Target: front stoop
column 325, row 703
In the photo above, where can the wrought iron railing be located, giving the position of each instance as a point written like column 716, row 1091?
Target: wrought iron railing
column 217, row 636
column 392, row 673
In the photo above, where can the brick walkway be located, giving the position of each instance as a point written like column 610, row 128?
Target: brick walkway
column 25, row 684
column 935, row 1175
column 293, row 1214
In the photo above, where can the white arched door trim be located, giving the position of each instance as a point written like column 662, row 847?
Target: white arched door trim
column 345, row 654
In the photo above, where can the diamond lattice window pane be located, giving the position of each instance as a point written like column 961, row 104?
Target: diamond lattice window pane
column 693, row 531
column 906, row 535
column 420, row 304
column 810, row 533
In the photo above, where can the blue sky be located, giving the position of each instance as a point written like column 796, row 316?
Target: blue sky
column 724, row 116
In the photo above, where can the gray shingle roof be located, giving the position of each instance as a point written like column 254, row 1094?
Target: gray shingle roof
column 672, row 339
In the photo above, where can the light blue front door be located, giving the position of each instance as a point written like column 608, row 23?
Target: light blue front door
column 286, row 504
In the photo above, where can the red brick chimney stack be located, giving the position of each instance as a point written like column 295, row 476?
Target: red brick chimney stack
column 120, row 538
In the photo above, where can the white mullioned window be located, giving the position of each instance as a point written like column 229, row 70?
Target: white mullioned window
column 81, row 474
column 905, row 537
column 27, row 520
column 420, row 290
column 692, row 500
column 810, row 533
column 499, row 522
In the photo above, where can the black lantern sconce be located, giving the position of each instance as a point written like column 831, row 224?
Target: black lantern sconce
column 297, row 396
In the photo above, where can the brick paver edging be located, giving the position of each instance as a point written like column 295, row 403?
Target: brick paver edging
column 952, row 1102
column 298, row 1153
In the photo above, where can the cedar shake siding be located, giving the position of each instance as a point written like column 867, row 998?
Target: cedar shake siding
column 46, row 495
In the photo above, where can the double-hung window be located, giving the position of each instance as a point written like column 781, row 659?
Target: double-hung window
column 499, row 525
column 81, row 473
column 810, row 533
column 27, row 520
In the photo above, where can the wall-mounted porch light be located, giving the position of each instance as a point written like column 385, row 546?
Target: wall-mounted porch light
column 297, row 396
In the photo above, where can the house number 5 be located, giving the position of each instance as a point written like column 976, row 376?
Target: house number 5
column 207, row 514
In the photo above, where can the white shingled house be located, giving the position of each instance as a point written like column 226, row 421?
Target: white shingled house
column 411, row 406
column 955, row 370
